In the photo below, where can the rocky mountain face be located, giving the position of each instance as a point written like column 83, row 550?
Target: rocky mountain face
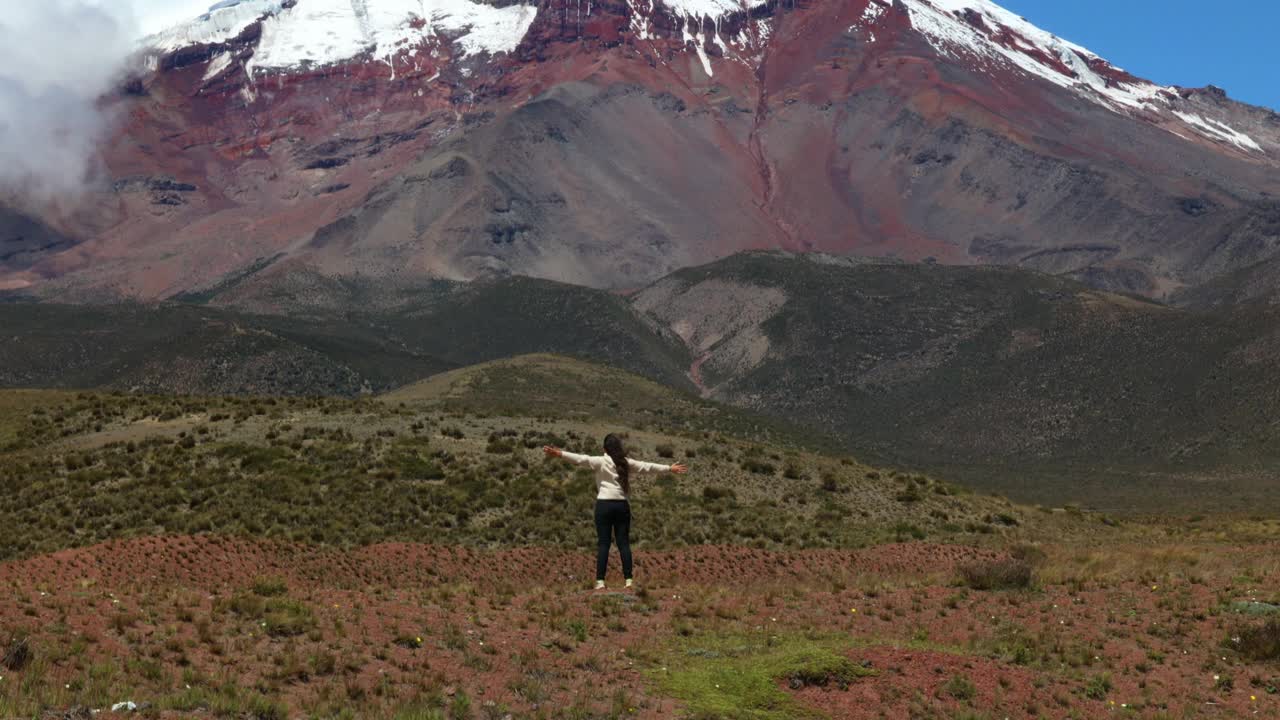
column 275, row 148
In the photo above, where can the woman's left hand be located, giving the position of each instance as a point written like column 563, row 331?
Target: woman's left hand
column 554, row 452
column 679, row 468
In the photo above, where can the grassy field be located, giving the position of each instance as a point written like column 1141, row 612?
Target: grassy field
column 415, row 556
column 219, row 627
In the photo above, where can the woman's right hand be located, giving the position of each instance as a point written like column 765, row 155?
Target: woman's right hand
column 554, row 452
column 679, row 468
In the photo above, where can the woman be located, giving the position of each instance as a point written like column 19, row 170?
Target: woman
column 613, row 487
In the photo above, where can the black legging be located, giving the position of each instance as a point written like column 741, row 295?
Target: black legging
column 613, row 518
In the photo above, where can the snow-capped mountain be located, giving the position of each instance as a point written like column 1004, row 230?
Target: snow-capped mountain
column 282, row 142
column 979, row 33
column 983, row 34
column 325, row 32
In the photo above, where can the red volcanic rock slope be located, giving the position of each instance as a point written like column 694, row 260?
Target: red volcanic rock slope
column 271, row 143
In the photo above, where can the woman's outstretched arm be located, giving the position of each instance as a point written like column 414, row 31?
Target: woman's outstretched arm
column 641, row 466
column 574, row 458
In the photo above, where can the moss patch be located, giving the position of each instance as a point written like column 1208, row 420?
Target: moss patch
column 744, row 676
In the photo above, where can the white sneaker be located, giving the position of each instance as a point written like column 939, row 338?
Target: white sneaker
column 599, row 585
column 630, row 582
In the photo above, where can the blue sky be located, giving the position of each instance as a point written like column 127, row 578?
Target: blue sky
column 1192, row 43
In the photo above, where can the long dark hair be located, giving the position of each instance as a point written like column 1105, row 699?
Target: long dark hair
column 613, row 448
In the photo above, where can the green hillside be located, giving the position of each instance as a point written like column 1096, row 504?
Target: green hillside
column 1010, row 381
column 454, row 466
column 196, row 349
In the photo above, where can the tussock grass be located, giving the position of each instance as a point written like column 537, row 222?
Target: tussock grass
column 17, row 655
column 269, row 587
column 1008, row 573
column 277, row 614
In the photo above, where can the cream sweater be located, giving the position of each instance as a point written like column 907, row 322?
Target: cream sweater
column 607, row 485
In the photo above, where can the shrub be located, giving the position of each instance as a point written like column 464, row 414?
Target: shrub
column 909, row 494
column 759, row 467
column 123, row 620
column 498, row 446
column 413, row 466
column 149, row 669
column 281, row 616
column 903, row 530
column 712, row 493
column 262, row 708
column 666, row 450
column 461, row 707
column 1028, row 553
column 578, row 630
column 1098, row 687
column 1258, row 643
column 288, row 618
column 999, row 574
column 961, row 688
column 18, row 655
column 1003, row 519
column 408, row 642
column 269, row 587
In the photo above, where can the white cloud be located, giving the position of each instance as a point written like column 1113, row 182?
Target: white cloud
column 156, row 15
column 57, row 59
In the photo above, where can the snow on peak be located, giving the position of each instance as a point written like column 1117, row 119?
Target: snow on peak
column 692, row 16
column 222, row 22
column 986, row 30
column 1219, row 131
column 983, row 29
column 324, row 32
column 713, row 9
